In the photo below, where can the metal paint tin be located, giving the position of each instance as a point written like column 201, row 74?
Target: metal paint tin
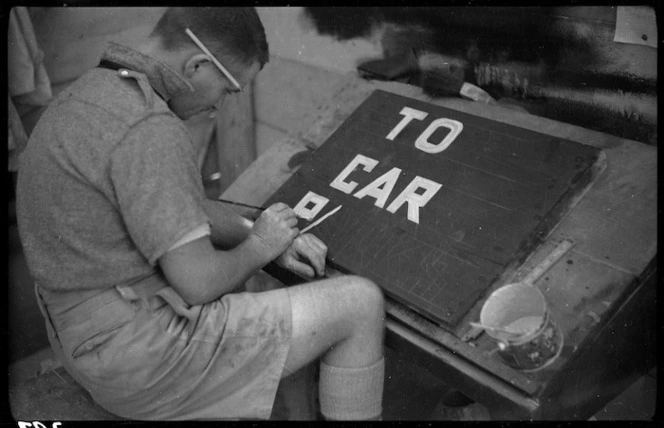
column 534, row 341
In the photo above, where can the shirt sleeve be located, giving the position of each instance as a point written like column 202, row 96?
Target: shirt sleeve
column 157, row 184
column 199, row 232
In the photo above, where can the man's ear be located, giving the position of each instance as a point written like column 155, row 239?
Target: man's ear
column 194, row 63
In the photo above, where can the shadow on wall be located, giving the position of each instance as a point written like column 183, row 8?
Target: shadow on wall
column 560, row 63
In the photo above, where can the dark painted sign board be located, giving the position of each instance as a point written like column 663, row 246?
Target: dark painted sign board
column 435, row 203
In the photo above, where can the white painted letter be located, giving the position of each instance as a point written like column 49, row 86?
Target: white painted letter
column 423, row 143
column 373, row 189
column 409, row 114
column 414, row 200
column 319, row 202
column 367, row 164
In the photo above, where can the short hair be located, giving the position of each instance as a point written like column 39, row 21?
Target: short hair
column 227, row 31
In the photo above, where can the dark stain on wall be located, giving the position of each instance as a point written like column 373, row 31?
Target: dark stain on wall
column 522, row 34
column 549, row 65
column 598, row 79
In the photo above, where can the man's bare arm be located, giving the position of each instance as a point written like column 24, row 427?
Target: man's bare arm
column 201, row 274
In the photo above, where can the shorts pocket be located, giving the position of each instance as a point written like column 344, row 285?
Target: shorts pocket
column 94, row 343
column 96, row 328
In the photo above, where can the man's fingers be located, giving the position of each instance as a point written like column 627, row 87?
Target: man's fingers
column 291, row 221
column 287, row 215
column 278, row 207
column 300, row 268
column 316, row 243
column 314, row 254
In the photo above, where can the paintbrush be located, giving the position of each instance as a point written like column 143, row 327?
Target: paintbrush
column 226, row 201
column 320, row 220
column 506, row 330
column 312, row 225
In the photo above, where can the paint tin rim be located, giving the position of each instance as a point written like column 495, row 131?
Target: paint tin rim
column 499, row 294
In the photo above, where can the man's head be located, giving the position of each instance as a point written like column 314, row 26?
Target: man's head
column 234, row 36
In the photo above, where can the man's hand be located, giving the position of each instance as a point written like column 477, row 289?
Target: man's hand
column 307, row 247
column 275, row 229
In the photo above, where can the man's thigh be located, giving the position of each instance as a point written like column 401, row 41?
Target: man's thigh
column 225, row 363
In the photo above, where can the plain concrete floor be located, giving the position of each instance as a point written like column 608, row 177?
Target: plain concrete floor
column 412, row 393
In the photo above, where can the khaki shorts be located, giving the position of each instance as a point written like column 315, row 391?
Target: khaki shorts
column 144, row 359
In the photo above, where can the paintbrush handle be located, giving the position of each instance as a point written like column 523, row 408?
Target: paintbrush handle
column 226, row 201
column 320, row 220
column 494, row 328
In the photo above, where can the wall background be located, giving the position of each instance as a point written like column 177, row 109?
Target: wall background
column 557, row 62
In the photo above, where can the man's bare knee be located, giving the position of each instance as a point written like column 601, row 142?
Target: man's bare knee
column 341, row 318
column 359, row 322
column 370, row 290
column 368, row 296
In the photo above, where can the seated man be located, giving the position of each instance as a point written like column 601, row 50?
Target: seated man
column 139, row 276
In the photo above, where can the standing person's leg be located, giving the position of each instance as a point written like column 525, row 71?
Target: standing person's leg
column 342, row 320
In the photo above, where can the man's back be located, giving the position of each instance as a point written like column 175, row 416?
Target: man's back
column 70, row 221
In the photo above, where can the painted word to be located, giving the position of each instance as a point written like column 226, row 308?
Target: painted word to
column 422, row 141
column 416, row 194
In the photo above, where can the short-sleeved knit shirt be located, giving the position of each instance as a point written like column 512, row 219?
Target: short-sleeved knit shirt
column 133, row 191
column 129, row 167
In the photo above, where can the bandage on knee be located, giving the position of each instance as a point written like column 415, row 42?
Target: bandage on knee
column 351, row 393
